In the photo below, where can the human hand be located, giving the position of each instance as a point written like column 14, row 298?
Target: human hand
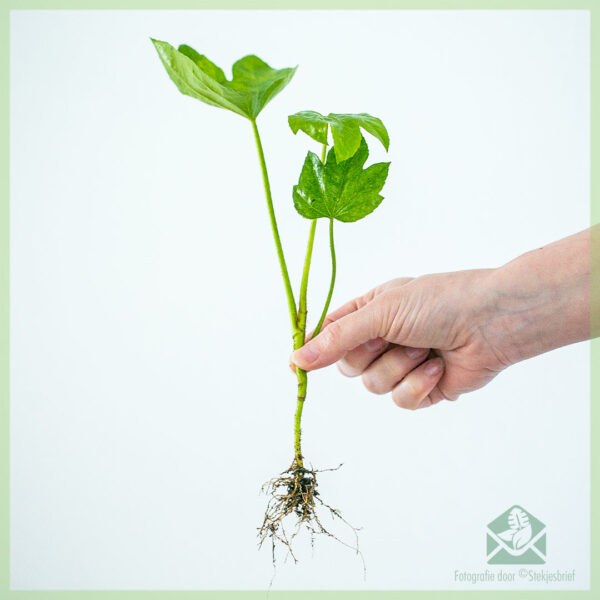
column 420, row 339
column 439, row 336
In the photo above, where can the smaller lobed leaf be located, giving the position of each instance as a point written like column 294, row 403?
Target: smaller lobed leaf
column 345, row 129
column 312, row 123
column 361, row 194
column 310, row 193
column 341, row 190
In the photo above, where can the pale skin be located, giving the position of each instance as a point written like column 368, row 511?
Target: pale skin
column 438, row 336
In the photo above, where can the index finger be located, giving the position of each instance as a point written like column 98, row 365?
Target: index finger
column 340, row 336
column 338, row 313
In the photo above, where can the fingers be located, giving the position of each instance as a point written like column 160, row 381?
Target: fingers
column 340, row 312
column 385, row 373
column 433, row 397
column 357, row 360
column 375, row 347
column 363, row 300
column 415, row 389
column 340, row 336
column 350, row 307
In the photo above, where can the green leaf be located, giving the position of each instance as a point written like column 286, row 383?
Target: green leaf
column 340, row 190
column 346, row 132
column 345, row 129
column 312, row 123
column 253, row 85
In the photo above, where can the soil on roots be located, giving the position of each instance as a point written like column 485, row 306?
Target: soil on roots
column 294, row 505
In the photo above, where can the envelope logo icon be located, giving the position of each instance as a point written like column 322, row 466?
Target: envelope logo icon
column 516, row 537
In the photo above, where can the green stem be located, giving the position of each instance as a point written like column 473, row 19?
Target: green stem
column 302, row 381
column 284, row 272
column 333, row 271
column 302, row 308
column 298, row 342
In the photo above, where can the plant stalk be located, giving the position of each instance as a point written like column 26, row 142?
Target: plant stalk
column 282, row 264
column 332, row 284
column 302, row 315
column 302, row 307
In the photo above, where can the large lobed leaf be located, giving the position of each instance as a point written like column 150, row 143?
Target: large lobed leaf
column 345, row 129
column 341, row 190
column 253, row 85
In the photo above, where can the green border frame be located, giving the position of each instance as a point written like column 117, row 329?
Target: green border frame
column 593, row 6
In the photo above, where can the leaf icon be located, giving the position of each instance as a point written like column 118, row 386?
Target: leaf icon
column 517, row 518
column 507, row 535
column 520, row 528
column 521, row 537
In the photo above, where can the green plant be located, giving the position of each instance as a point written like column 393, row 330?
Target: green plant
column 334, row 187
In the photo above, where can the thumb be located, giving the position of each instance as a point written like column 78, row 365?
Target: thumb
column 340, row 337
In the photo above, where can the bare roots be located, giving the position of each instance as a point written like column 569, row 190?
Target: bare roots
column 294, row 492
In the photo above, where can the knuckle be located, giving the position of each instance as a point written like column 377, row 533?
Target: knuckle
column 368, row 297
column 386, row 310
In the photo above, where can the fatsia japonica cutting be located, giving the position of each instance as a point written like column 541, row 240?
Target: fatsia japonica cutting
column 335, row 186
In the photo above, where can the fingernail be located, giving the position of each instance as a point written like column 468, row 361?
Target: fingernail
column 433, row 367
column 415, row 353
column 375, row 345
column 305, row 356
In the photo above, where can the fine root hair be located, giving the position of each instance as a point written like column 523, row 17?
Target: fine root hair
column 294, row 504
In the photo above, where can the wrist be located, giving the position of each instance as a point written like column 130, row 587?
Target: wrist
column 541, row 300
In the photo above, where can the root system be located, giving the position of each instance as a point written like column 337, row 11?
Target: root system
column 293, row 506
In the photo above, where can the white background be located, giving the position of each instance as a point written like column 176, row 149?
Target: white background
column 150, row 393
